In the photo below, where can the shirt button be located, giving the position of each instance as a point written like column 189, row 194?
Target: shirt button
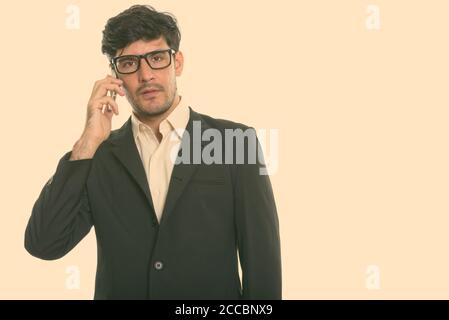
column 158, row 265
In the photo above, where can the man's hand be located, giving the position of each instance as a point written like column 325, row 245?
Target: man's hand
column 98, row 123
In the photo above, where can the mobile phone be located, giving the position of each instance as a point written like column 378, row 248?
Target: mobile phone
column 114, row 74
column 111, row 93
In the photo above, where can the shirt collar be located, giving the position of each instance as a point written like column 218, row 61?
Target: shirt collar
column 177, row 120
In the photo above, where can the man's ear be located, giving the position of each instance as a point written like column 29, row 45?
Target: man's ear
column 179, row 63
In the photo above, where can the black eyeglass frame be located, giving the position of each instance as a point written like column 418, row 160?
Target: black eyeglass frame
column 113, row 62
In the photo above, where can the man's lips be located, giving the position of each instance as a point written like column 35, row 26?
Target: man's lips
column 147, row 91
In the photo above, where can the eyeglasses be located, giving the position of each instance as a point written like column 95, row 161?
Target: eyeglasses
column 157, row 60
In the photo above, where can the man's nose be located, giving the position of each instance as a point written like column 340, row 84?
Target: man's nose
column 145, row 71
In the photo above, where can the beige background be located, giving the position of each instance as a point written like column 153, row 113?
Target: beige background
column 362, row 118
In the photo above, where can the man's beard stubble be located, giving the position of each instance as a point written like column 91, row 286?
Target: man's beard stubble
column 142, row 112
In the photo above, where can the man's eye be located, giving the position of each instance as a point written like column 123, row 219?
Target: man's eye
column 157, row 58
column 128, row 63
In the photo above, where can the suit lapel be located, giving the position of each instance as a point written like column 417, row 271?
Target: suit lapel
column 182, row 173
column 125, row 150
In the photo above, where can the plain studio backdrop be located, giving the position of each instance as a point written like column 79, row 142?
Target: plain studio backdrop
column 357, row 91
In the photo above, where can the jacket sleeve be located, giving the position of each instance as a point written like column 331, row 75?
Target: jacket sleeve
column 61, row 215
column 258, row 237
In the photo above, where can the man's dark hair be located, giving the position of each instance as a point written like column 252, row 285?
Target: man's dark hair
column 139, row 22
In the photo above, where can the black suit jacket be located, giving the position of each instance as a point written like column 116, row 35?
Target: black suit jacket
column 212, row 213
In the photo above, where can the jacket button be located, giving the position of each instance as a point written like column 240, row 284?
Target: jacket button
column 158, row 265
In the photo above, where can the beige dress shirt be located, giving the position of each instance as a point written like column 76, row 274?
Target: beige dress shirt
column 156, row 156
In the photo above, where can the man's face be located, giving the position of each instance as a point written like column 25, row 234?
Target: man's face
column 138, row 84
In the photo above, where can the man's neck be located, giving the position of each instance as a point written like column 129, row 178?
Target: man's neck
column 154, row 121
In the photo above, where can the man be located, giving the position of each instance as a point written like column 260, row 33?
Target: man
column 165, row 229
